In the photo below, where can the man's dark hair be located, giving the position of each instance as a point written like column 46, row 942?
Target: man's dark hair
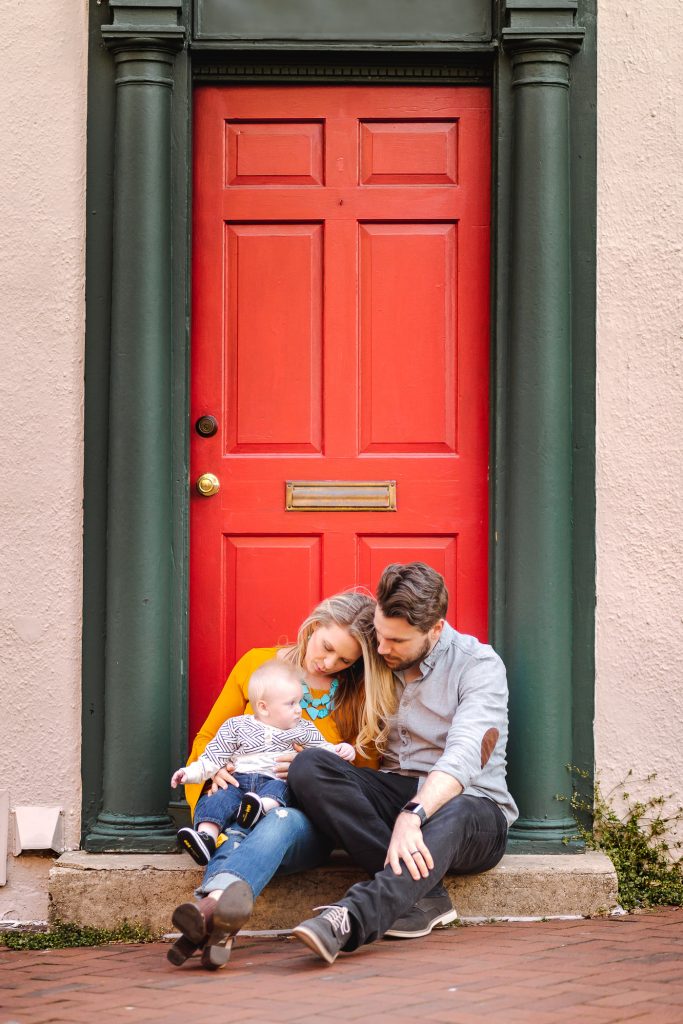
column 414, row 592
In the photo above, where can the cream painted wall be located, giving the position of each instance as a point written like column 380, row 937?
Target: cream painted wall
column 639, row 644
column 42, row 226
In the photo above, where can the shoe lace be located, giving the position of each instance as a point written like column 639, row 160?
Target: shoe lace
column 337, row 916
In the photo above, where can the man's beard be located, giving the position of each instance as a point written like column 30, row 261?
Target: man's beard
column 403, row 666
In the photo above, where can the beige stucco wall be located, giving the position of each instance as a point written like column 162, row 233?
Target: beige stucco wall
column 42, row 223
column 639, row 646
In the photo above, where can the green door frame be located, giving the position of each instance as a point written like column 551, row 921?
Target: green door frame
column 543, row 383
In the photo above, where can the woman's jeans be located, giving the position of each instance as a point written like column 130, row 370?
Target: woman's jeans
column 284, row 841
column 221, row 807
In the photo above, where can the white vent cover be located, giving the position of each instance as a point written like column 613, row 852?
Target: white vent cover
column 38, row 828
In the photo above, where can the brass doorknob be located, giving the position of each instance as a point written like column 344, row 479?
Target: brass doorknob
column 207, row 485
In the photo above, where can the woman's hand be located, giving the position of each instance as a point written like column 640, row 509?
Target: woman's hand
column 407, row 845
column 222, row 779
column 283, row 762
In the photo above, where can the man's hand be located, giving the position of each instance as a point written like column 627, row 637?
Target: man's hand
column 222, row 779
column 283, row 762
column 407, row 845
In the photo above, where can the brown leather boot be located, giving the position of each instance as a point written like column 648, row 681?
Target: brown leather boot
column 231, row 912
column 182, row 949
column 194, row 920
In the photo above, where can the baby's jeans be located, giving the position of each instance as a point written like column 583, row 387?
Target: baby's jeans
column 221, row 807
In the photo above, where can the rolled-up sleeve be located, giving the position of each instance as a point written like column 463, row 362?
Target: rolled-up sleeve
column 478, row 722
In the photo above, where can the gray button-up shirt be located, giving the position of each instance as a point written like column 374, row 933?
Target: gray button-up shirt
column 453, row 719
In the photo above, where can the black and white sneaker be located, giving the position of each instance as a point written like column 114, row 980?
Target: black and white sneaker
column 432, row 911
column 250, row 811
column 200, row 845
column 327, row 933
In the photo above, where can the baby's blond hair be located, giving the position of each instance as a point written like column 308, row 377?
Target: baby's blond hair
column 269, row 674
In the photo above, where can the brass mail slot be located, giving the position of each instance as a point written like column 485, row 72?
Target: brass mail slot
column 341, row 496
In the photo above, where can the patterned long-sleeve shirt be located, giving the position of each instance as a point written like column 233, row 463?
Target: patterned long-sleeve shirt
column 251, row 746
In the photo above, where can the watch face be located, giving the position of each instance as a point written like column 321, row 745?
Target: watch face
column 415, row 807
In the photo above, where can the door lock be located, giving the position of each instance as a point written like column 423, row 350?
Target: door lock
column 206, row 426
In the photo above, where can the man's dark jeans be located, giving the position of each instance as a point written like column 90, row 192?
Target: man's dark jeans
column 357, row 808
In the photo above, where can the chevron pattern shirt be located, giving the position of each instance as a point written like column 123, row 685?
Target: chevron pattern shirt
column 252, row 746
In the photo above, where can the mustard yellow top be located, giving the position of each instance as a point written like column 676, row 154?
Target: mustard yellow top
column 234, row 700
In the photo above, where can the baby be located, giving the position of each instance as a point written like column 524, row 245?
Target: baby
column 252, row 744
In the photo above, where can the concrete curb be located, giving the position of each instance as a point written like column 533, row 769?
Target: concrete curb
column 103, row 890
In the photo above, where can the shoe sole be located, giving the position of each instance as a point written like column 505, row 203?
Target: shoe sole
column 232, row 911
column 189, row 920
column 250, row 811
column 314, row 943
column 196, row 848
column 438, row 922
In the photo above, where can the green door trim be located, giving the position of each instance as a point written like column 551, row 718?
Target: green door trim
column 479, row 62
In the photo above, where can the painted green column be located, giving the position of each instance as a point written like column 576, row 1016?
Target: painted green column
column 144, row 38
column 538, row 609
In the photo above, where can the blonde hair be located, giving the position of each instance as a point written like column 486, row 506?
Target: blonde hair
column 366, row 697
column 269, row 673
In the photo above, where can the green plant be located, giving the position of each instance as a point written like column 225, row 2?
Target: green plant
column 62, row 936
column 637, row 836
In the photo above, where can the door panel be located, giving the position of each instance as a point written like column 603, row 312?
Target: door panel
column 286, row 153
column 253, row 596
column 440, row 552
column 340, row 333
column 289, row 258
column 407, row 293
column 408, row 152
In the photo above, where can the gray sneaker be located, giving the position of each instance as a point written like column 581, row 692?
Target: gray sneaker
column 327, row 933
column 430, row 912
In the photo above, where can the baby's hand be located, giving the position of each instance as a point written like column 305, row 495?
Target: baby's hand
column 177, row 778
column 346, row 751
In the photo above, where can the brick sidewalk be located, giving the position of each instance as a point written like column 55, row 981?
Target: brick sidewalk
column 603, row 970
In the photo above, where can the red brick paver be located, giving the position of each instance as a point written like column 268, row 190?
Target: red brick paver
column 595, row 972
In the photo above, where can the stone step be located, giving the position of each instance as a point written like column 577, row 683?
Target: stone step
column 105, row 889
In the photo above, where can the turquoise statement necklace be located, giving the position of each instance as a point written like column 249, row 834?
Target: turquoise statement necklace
column 318, row 707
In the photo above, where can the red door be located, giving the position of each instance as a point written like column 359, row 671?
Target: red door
column 340, row 337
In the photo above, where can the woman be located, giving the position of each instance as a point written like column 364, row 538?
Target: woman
column 347, row 687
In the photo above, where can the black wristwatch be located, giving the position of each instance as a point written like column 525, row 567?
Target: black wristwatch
column 415, row 807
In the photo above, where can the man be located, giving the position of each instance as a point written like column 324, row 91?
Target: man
column 440, row 801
